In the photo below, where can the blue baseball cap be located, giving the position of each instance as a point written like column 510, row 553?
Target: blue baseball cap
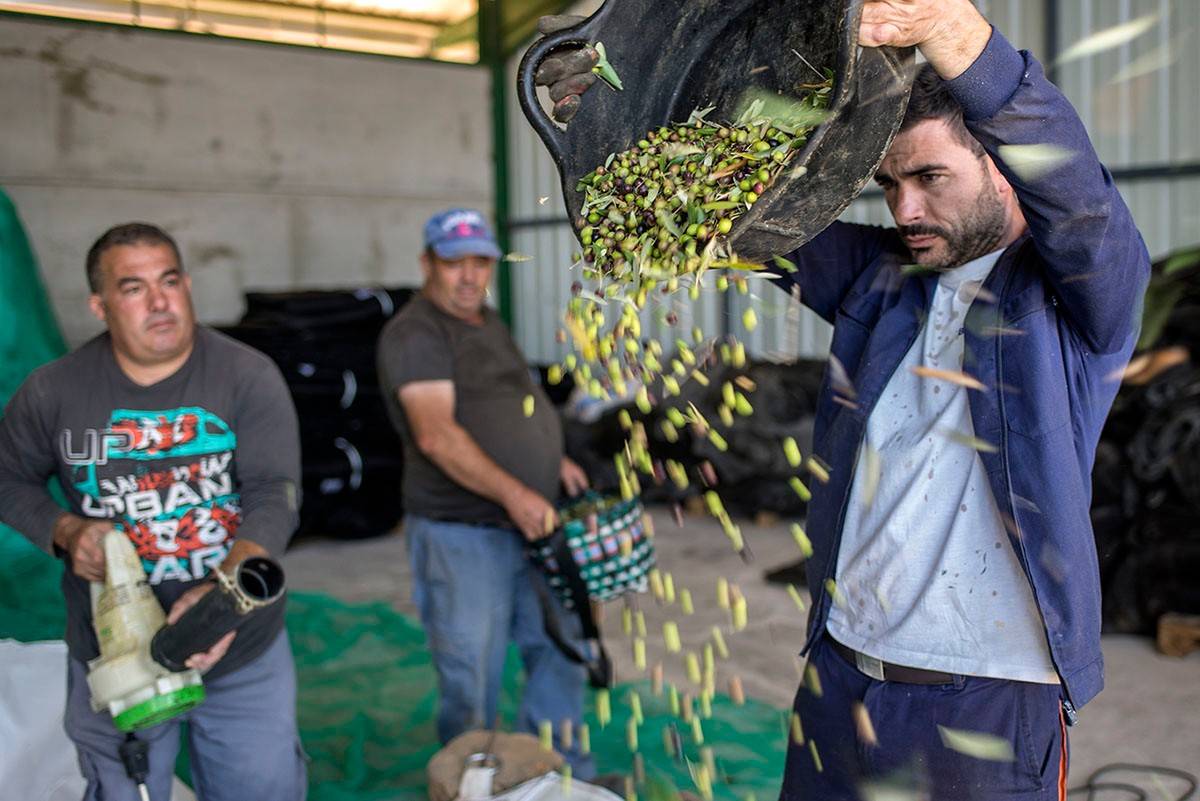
column 458, row 233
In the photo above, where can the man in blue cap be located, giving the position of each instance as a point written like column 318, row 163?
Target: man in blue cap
column 481, row 471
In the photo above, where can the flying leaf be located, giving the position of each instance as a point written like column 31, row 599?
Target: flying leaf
column 873, row 467
column 1108, row 38
column 950, row 376
column 840, row 378
column 977, row 744
column 1160, row 58
column 1031, row 162
column 971, row 441
column 780, row 111
column 742, row 266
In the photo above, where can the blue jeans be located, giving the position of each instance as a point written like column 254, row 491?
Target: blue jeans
column 474, row 587
column 243, row 738
column 910, row 752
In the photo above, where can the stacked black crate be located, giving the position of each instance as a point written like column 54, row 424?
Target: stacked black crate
column 324, row 343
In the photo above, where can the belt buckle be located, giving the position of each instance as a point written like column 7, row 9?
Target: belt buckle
column 869, row 665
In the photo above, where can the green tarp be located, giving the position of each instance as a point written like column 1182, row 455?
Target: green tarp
column 30, row 602
column 28, row 333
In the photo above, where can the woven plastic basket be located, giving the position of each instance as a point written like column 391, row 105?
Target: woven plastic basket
column 606, row 539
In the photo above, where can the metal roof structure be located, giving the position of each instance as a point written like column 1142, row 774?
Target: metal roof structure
column 441, row 30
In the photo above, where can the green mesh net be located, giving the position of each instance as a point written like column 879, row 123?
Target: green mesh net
column 367, row 700
column 367, row 705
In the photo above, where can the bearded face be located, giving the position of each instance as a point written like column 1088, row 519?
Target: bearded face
column 944, row 197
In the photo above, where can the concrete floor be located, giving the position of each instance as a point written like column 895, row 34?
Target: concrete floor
column 1149, row 713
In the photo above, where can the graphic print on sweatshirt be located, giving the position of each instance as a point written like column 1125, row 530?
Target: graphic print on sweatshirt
column 165, row 478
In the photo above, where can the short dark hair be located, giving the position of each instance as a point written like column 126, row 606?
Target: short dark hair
column 134, row 233
column 931, row 100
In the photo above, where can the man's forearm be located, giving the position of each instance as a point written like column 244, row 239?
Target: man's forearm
column 270, row 513
column 268, row 461
column 964, row 36
column 460, row 457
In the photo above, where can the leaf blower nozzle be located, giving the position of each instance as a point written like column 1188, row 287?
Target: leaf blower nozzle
column 255, row 584
column 140, row 676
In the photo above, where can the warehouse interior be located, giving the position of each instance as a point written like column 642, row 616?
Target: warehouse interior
column 296, row 148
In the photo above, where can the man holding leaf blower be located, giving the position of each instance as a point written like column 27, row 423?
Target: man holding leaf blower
column 187, row 442
column 955, row 629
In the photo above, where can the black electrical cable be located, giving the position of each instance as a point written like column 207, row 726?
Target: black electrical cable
column 1092, row 786
column 135, row 755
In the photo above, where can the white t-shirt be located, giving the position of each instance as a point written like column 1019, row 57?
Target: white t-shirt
column 926, row 575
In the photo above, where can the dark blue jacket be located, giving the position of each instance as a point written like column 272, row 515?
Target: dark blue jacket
column 1056, row 325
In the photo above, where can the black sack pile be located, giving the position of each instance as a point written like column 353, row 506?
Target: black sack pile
column 324, row 343
column 1146, row 480
column 1146, row 502
column 752, row 473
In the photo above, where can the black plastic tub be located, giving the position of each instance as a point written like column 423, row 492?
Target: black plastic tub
column 675, row 56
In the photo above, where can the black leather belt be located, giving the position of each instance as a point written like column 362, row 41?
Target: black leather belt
column 476, row 523
column 886, row 671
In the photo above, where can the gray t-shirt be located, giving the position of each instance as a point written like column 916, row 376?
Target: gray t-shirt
column 491, row 384
column 183, row 467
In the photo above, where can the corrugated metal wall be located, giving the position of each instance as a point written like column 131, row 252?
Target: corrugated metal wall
column 1141, row 104
column 1138, row 99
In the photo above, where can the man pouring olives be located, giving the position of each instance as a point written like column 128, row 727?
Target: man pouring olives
column 955, row 625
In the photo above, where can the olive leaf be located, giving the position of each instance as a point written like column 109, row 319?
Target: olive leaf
column 604, row 69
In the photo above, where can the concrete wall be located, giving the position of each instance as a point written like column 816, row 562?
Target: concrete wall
column 275, row 167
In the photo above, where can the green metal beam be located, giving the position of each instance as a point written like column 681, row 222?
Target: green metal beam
column 504, row 26
column 491, row 55
column 518, row 21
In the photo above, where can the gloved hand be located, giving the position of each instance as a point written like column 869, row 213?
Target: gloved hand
column 568, row 72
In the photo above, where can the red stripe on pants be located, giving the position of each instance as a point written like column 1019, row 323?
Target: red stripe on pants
column 1062, row 759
